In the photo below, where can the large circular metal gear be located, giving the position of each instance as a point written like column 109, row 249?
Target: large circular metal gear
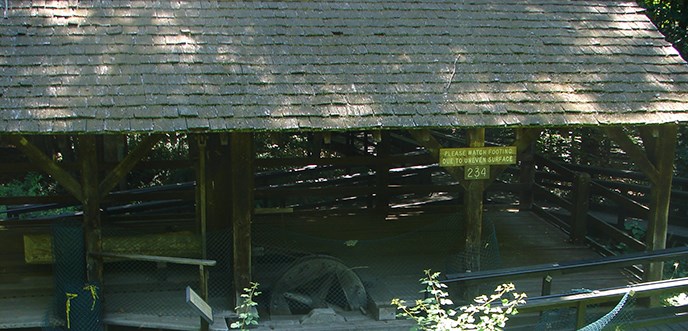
column 317, row 281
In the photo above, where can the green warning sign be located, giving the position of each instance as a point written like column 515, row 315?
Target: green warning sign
column 459, row 157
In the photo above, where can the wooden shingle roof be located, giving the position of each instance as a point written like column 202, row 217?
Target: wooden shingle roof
column 143, row 66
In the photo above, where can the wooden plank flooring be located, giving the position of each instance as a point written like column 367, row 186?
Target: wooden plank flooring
column 526, row 239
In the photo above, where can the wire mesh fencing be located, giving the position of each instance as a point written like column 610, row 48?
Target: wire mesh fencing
column 299, row 272
column 597, row 317
column 77, row 303
column 158, row 288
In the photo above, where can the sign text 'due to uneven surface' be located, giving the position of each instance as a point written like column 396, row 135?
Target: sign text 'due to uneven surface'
column 457, row 157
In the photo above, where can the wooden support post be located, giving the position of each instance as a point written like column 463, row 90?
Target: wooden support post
column 91, row 204
column 201, row 195
column 202, row 141
column 316, row 141
column 218, row 186
column 382, row 175
column 526, row 161
column 204, row 294
column 114, row 152
column 581, row 311
column 546, row 285
column 242, row 157
column 473, row 202
column 581, row 203
column 662, row 152
column 657, row 162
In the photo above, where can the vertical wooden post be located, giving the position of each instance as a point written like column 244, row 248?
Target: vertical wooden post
column 473, row 202
column 202, row 218
column 581, row 311
column 202, row 141
column 113, row 152
column 218, row 184
column 546, row 285
column 662, row 155
column 581, row 204
column 242, row 173
column 91, row 204
column 316, row 142
column 382, row 174
column 527, row 170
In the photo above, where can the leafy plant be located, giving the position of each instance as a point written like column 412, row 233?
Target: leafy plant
column 31, row 184
column 679, row 299
column 635, row 229
column 435, row 312
column 671, row 17
column 248, row 315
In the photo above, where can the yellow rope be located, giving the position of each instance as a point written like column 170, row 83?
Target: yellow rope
column 70, row 296
column 94, row 294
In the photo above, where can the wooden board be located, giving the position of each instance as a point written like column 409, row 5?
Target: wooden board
column 38, row 247
column 199, row 305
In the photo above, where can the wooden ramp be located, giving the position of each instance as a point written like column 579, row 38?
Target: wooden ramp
column 526, row 239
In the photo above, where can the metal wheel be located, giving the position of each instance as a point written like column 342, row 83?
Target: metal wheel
column 317, row 281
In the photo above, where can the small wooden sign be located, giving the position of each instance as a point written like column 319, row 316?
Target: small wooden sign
column 460, row 157
column 197, row 303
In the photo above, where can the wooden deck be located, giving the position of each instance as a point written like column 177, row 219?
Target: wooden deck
column 524, row 239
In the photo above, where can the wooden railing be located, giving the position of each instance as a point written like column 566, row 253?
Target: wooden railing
column 577, row 190
column 547, row 272
column 581, row 301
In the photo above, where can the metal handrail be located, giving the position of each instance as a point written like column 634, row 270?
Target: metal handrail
column 569, row 267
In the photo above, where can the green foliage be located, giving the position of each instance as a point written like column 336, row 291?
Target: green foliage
column 248, row 315
column 680, row 299
column 31, row 185
column 583, row 146
column 172, row 147
column 679, row 269
column 274, row 146
column 435, row 312
column 671, row 18
column 682, row 152
column 635, row 229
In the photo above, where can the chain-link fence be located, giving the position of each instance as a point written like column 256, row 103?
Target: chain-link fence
column 158, row 288
column 300, row 272
column 77, row 304
column 597, row 317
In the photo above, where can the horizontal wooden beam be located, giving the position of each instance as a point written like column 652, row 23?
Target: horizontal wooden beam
column 23, row 167
column 152, row 258
column 392, row 160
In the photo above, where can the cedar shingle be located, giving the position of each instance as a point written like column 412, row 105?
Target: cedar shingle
column 217, row 65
